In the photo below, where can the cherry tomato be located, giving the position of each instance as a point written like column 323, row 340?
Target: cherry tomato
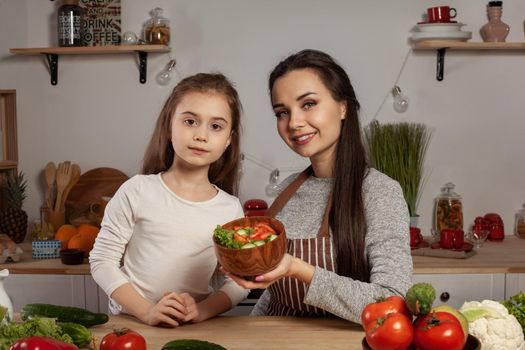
column 382, row 307
column 438, row 330
column 123, row 339
column 393, row 332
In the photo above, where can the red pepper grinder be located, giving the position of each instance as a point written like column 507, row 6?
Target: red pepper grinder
column 255, row 207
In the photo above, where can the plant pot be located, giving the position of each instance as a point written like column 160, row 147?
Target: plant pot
column 414, row 221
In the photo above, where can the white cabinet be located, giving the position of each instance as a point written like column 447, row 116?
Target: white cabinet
column 455, row 289
column 515, row 283
column 68, row 290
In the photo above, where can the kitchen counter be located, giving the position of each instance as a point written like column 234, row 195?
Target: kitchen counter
column 244, row 332
column 493, row 257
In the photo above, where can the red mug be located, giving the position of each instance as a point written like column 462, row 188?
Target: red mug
column 415, row 236
column 440, row 14
column 452, row 239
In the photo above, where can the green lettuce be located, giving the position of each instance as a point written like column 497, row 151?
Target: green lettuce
column 224, row 237
column 516, row 307
column 38, row 326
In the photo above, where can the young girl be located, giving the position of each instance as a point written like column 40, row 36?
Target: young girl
column 347, row 224
column 154, row 253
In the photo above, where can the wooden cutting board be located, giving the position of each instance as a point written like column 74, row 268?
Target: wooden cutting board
column 91, row 186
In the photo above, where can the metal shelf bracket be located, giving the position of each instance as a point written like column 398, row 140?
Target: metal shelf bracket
column 440, row 63
column 52, row 59
column 143, row 66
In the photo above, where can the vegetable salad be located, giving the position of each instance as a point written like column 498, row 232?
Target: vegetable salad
column 240, row 237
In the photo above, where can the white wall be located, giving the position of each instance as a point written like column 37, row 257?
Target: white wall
column 100, row 115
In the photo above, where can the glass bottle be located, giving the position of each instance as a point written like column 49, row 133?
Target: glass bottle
column 157, row 28
column 519, row 225
column 71, row 24
column 448, row 213
column 495, row 30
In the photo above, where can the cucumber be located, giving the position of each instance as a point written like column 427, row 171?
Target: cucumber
column 191, row 344
column 248, row 246
column 64, row 314
column 80, row 334
column 271, row 238
column 258, row 243
column 242, row 232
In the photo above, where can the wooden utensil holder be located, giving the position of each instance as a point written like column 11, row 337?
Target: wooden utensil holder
column 57, row 218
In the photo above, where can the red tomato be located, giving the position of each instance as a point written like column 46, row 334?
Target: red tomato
column 123, row 339
column 437, row 331
column 238, row 238
column 264, row 227
column 382, row 307
column 393, row 332
column 41, row 343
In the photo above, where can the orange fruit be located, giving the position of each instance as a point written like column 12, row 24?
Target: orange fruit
column 88, row 233
column 65, row 233
column 76, row 242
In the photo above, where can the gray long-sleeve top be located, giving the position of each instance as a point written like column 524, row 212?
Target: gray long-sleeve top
column 386, row 245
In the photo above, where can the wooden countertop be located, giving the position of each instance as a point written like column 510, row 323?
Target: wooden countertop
column 494, row 257
column 244, row 332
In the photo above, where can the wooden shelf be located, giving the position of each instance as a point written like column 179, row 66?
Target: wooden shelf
column 52, row 54
column 461, row 45
column 442, row 45
column 8, row 164
column 92, row 50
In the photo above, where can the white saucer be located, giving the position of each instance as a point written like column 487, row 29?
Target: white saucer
column 452, row 35
column 439, row 27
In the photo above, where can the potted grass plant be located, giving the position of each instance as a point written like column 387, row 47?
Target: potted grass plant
column 398, row 150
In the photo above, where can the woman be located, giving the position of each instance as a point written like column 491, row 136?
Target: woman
column 347, row 224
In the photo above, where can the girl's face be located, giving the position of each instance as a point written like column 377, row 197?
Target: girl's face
column 201, row 128
column 308, row 117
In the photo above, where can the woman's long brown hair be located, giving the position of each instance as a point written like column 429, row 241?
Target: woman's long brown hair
column 347, row 218
column 224, row 173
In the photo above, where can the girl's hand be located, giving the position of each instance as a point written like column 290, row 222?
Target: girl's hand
column 192, row 308
column 284, row 269
column 170, row 310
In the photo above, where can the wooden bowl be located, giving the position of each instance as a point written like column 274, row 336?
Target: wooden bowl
column 253, row 261
column 471, row 344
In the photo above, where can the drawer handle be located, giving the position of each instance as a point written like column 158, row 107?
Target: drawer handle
column 444, row 297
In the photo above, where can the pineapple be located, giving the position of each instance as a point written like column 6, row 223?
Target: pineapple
column 13, row 220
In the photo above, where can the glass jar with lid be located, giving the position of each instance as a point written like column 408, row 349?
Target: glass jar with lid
column 448, row 213
column 519, row 226
column 157, row 28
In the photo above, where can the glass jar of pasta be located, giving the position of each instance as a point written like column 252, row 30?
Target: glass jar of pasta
column 448, row 210
column 157, row 28
column 519, row 225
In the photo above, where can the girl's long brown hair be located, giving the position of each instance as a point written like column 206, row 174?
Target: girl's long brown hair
column 224, row 173
column 347, row 214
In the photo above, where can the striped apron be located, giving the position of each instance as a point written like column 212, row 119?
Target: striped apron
column 287, row 294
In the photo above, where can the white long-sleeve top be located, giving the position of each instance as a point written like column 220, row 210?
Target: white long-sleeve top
column 163, row 241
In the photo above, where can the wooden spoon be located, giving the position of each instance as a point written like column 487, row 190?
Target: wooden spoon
column 75, row 176
column 63, row 178
column 50, row 174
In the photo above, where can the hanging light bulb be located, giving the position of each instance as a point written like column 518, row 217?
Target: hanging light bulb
column 271, row 188
column 400, row 100
column 164, row 76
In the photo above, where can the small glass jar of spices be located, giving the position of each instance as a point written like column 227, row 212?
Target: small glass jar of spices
column 519, row 226
column 157, row 28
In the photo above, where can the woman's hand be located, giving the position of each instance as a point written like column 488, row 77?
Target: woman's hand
column 170, row 310
column 192, row 308
column 288, row 266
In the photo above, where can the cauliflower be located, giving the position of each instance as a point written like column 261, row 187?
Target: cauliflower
column 491, row 323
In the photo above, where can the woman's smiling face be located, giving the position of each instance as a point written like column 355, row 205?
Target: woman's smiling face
column 308, row 118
